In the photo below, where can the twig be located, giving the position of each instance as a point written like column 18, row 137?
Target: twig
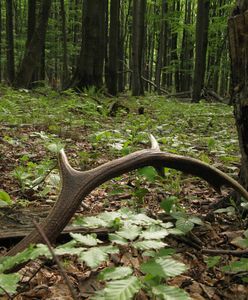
column 238, row 253
column 55, row 257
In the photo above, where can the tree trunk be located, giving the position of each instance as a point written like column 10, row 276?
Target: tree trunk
column 35, row 49
column 64, row 43
column 174, row 45
column 238, row 44
column 0, row 41
column 186, row 56
column 89, row 71
column 139, row 8
column 10, row 42
column 113, row 47
column 31, row 20
column 161, row 48
column 202, row 22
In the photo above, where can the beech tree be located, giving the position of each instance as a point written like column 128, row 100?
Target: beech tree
column 89, row 71
column 238, row 32
column 201, row 41
column 113, row 61
column 34, row 48
column 10, row 42
column 139, row 8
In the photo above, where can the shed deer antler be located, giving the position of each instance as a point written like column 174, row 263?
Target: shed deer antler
column 76, row 185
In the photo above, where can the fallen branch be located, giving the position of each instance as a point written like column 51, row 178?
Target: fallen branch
column 239, row 253
column 154, row 85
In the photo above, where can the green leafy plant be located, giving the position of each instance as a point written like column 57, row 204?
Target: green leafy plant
column 184, row 222
column 5, row 199
column 135, row 231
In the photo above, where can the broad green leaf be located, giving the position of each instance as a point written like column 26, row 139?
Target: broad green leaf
column 167, row 225
column 115, row 273
column 149, row 173
column 129, row 232
column 175, row 231
column 212, row 261
column 166, row 292
column 114, row 238
column 163, row 267
column 237, row 266
column 7, row 263
column 230, row 210
column 110, row 249
column 87, row 240
column 124, row 289
column 154, row 232
column 140, row 193
column 5, row 198
column 168, row 203
column 109, row 216
column 150, row 244
column 240, row 242
column 70, row 251
column 244, row 205
column 245, row 279
column 91, row 222
column 195, row 220
column 143, row 220
column 9, row 283
column 185, row 225
column 93, row 257
column 55, row 147
column 165, row 252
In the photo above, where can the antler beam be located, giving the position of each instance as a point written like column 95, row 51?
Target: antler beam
column 77, row 185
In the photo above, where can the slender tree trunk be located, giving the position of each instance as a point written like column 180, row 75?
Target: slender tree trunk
column 238, row 45
column 139, row 8
column 34, row 51
column 113, row 46
column 161, row 48
column 31, row 20
column 186, row 56
column 65, row 72
column 202, row 22
column 0, row 41
column 174, row 43
column 166, row 36
column 10, row 42
column 89, row 71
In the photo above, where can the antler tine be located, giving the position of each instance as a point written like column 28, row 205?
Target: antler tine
column 155, row 147
column 154, row 143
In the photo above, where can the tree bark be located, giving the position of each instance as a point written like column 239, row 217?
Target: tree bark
column 10, row 42
column 186, row 56
column 113, row 47
column 65, row 72
column 89, row 71
column 161, row 48
column 238, row 45
column 139, row 8
column 0, row 41
column 174, row 45
column 35, row 49
column 202, row 22
column 31, row 20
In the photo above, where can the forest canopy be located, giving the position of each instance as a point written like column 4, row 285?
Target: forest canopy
column 117, row 45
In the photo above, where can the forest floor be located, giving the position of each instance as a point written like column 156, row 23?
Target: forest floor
column 34, row 126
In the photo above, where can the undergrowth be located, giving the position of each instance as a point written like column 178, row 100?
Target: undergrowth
column 71, row 120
